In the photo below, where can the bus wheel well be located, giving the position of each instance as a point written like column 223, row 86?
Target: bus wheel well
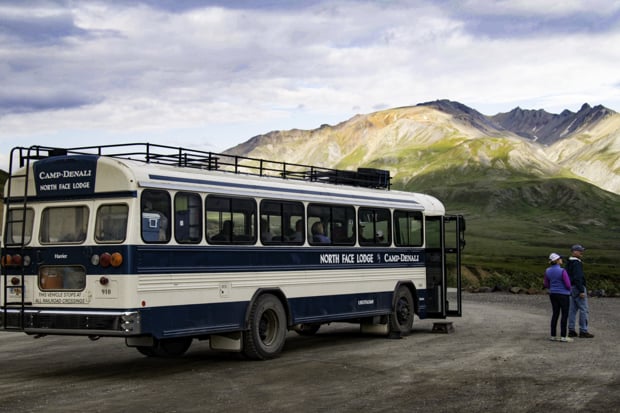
column 403, row 310
column 275, row 292
column 266, row 327
column 414, row 293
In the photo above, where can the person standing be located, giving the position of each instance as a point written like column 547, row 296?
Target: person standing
column 558, row 283
column 579, row 294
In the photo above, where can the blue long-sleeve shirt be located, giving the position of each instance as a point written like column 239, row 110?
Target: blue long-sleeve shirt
column 557, row 280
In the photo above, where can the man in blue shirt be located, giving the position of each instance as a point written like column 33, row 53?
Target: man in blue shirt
column 579, row 294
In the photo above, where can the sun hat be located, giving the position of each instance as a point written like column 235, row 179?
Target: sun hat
column 554, row 257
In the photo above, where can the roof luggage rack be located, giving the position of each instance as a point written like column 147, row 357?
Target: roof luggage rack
column 191, row 158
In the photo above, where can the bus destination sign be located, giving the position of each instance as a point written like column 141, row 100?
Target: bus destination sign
column 66, row 175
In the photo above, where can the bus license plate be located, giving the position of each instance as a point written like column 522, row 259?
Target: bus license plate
column 107, row 291
column 15, row 292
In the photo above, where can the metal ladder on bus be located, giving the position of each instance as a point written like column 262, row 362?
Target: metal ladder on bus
column 11, row 220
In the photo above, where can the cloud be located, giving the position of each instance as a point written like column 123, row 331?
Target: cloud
column 229, row 70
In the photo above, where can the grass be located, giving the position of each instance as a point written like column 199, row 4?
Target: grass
column 514, row 224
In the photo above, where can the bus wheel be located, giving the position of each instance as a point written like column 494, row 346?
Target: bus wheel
column 267, row 329
column 306, row 329
column 168, row 347
column 401, row 319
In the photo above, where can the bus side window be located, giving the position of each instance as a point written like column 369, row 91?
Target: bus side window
column 374, row 227
column 230, row 220
column 155, row 205
column 331, row 224
column 281, row 222
column 408, row 228
column 187, row 218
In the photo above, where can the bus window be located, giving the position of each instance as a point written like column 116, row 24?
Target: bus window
column 433, row 233
column 63, row 225
column 61, row 277
column 230, row 220
column 187, row 218
column 14, row 228
column 408, row 228
column 282, row 222
column 155, row 206
column 374, row 227
column 111, row 223
column 331, row 224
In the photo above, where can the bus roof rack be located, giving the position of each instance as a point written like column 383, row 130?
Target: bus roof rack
column 192, row 158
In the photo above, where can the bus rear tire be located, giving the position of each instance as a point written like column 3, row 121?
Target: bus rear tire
column 267, row 329
column 401, row 319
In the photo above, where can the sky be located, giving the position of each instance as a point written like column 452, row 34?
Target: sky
column 209, row 75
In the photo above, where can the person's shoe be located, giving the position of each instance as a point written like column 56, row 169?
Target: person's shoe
column 586, row 335
column 554, row 338
column 566, row 339
column 572, row 333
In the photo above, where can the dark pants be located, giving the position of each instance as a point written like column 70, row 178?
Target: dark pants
column 559, row 303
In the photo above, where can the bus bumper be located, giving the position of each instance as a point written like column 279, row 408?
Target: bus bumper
column 67, row 322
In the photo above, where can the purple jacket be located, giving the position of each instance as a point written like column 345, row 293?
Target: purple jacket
column 557, row 280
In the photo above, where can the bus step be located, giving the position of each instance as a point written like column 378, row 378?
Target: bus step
column 444, row 327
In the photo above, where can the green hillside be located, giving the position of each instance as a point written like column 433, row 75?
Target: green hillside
column 513, row 225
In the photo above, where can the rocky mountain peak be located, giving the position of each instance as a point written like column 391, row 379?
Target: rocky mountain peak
column 547, row 128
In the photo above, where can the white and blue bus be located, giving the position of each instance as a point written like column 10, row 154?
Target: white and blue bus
column 162, row 245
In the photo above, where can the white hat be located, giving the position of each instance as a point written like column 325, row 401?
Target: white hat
column 554, row 257
column 379, row 233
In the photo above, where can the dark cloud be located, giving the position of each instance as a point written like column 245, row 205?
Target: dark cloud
column 39, row 29
column 36, row 102
column 525, row 26
column 498, row 19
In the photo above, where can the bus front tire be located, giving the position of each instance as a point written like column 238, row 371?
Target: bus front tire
column 401, row 319
column 267, row 329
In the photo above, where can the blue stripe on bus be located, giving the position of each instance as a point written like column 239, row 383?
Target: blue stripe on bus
column 408, row 202
column 143, row 259
column 217, row 259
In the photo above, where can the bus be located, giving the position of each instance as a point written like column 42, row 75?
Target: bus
column 163, row 245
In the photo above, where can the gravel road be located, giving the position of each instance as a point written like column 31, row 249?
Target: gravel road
column 498, row 359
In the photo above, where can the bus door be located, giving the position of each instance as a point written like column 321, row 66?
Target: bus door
column 445, row 238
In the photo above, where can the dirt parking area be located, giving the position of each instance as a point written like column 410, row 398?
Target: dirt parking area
column 498, row 359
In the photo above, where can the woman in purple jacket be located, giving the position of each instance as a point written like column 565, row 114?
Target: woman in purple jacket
column 557, row 282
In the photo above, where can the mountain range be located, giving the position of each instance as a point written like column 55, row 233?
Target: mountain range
column 529, row 182
column 433, row 136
